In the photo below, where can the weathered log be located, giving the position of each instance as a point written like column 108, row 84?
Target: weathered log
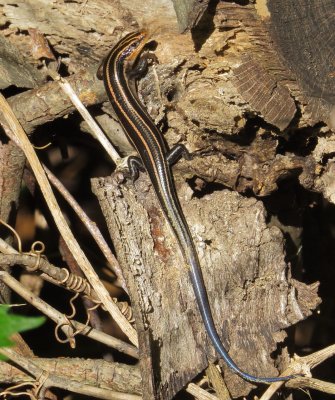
column 252, row 297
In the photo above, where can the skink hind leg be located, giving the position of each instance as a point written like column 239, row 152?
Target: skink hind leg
column 178, row 151
column 135, row 165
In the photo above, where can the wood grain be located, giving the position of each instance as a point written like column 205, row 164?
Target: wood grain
column 244, row 270
column 304, row 33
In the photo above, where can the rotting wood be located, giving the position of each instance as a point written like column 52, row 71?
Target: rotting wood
column 189, row 12
column 48, row 102
column 304, row 34
column 14, row 68
column 247, row 315
column 264, row 94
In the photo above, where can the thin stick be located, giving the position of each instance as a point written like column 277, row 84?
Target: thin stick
column 200, row 393
column 91, row 227
column 6, row 248
column 305, row 364
column 52, row 380
column 96, row 131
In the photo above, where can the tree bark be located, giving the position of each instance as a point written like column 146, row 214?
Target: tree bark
column 252, row 297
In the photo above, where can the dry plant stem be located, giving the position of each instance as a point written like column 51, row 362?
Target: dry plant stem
column 311, row 383
column 272, row 389
column 50, row 272
column 55, row 275
column 314, row 359
column 6, row 248
column 16, row 133
column 95, row 372
column 305, row 364
column 41, row 305
column 91, row 227
column 199, row 393
column 309, row 362
column 60, row 277
column 91, row 373
column 97, row 132
column 28, row 261
column 217, row 382
column 80, row 285
column 52, row 380
column 60, row 318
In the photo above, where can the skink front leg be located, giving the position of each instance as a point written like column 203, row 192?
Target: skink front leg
column 178, row 151
column 141, row 66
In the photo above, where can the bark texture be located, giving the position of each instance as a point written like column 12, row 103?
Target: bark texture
column 252, row 297
column 310, row 25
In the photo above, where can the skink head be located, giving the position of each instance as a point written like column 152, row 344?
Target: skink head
column 126, row 50
column 137, row 42
column 131, row 46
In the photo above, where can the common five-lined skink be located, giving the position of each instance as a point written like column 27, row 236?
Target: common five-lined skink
column 157, row 159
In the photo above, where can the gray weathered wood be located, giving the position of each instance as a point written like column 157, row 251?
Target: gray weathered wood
column 304, row 33
column 189, row 12
column 242, row 260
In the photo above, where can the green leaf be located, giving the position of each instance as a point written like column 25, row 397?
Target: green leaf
column 11, row 323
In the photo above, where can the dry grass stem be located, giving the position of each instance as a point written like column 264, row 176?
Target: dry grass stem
column 91, row 227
